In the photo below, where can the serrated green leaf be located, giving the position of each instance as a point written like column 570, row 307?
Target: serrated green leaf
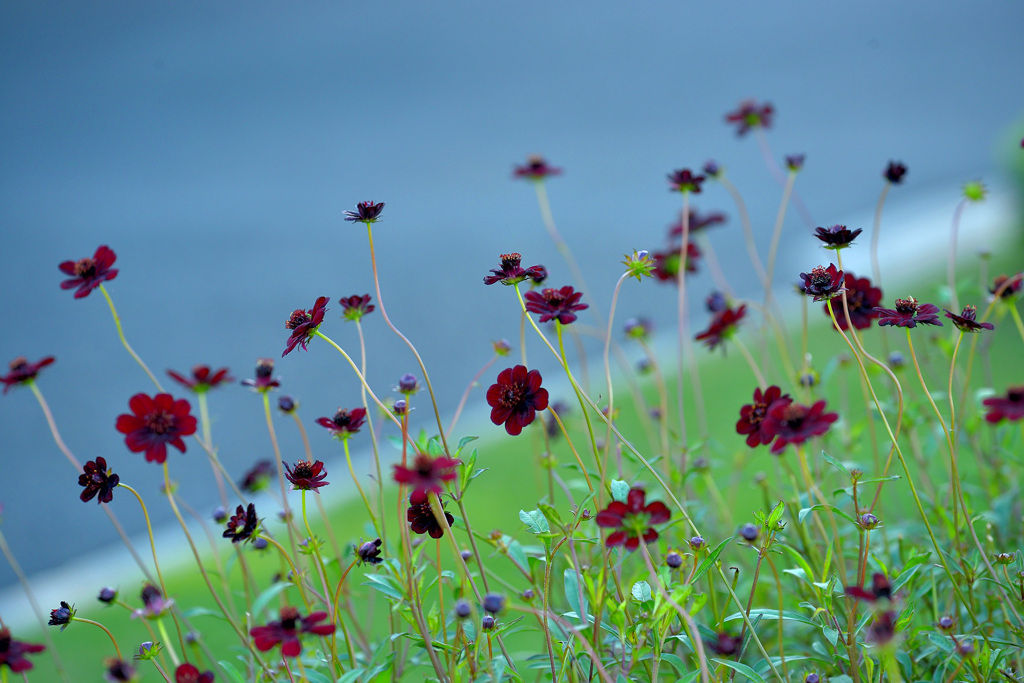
column 535, row 521
column 620, row 490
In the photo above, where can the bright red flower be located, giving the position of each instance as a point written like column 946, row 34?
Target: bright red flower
column 427, row 474
column 536, row 168
column 306, row 476
column 861, row 298
column 344, row 423
column 632, row 520
column 752, row 416
column 156, row 422
column 750, row 115
column 188, row 673
column 202, row 379
column 1010, row 407
column 304, row 325
column 287, row 631
column 552, row 304
column 723, row 326
column 516, row 397
column 23, row 372
column 795, row 423
column 89, row 273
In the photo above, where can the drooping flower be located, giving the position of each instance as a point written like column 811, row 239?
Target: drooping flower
column 823, row 283
column 258, row 476
column 862, row 299
column 344, row 423
column 909, row 313
column 89, row 273
column 1010, row 407
column 967, row 321
column 696, row 223
column 516, row 397
column 154, row 604
column 1007, row 286
column 881, row 589
column 154, row 423
column 287, row 630
column 203, row 379
column 265, row 380
column 369, row 552
column 538, row 274
column 427, row 474
column 794, row 423
column 23, row 372
column 684, row 180
column 894, row 172
column 666, row 263
column 632, row 520
column 555, row 304
column 366, row 212
column 188, row 673
column 749, row 114
column 354, row 307
column 535, row 168
column 837, row 236
column 511, row 271
column 12, row 652
column 62, row 616
column 242, row 525
column 421, row 518
column 752, row 416
column 304, row 325
column 97, row 479
column 306, row 475
column 723, row 326
column 119, row 671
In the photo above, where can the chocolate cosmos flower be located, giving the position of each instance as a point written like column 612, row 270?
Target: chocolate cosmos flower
column 894, row 172
column 823, row 283
column 555, row 304
column 155, row 423
column 344, row 423
column 12, row 652
column 242, row 525
column 683, row 180
column 1010, row 407
column 202, row 379
column 61, row 616
column 287, row 630
column 967, row 320
column 666, row 263
column 697, row 223
column 366, row 212
column 511, row 271
column 355, row 307
column 837, row 236
column 258, row 476
column 188, row 673
column 427, row 474
column 304, row 325
column 749, row 114
column 306, row 476
column 516, row 397
column 97, row 479
column 369, row 552
column 881, row 589
column 632, row 520
column 861, row 298
column 265, row 380
column 421, row 518
column 1007, row 286
column 722, row 326
column 536, row 168
column 752, row 416
column 89, row 273
column 795, row 423
column 909, row 313
column 23, row 372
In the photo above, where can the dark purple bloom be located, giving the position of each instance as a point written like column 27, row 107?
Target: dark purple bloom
column 696, row 222
column 242, row 525
column 749, row 532
column 632, row 520
column 716, row 302
column 258, row 476
column 154, row 604
column 89, row 273
column 894, row 172
column 23, row 372
column 752, row 416
column 202, row 378
column 794, row 162
column 421, row 518
column 286, row 404
column 304, row 325
column 494, row 603
column 795, row 423
column 552, row 304
column 724, row 644
column 344, row 423
column 188, row 673
column 61, row 616
column 287, row 631
column 512, row 272
column 427, row 474
column 723, row 326
column 967, row 320
column 119, row 671
column 823, row 283
column 1007, row 286
column 862, row 299
column 749, row 114
column 97, row 479
column 538, row 274
column 881, row 589
column 12, row 652
column 265, row 380
column 155, row 423
column 107, row 595
column 909, row 313
column 306, row 476
column 369, row 552
column 683, row 180
column 408, row 384
column 1010, row 407
column 366, row 212
column 516, row 397
column 536, row 168
column 837, row 236
column 355, row 307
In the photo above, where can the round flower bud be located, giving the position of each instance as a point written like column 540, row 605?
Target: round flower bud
column 946, row 623
column 696, row 543
column 868, row 521
column 896, row 359
column 467, row 555
column 749, row 532
column 493, row 603
column 107, row 595
column 965, row 649
column 286, row 404
column 487, row 622
column 400, row 407
column 674, row 560
column 812, row 678
column 408, row 384
column 462, row 609
column 260, row 544
column 219, row 514
column 527, row 594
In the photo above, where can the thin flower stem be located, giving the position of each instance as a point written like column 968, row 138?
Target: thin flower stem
column 355, row 480
column 579, row 461
column 314, row 545
column 149, row 530
column 659, row 380
column 167, row 641
column 362, row 379
column 876, row 271
column 951, row 265
column 758, row 375
column 161, row 671
column 560, row 244
column 776, row 172
column 204, row 419
column 721, row 282
column 127, row 346
column 469, row 388
column 748, row 230
column 601, row 465
column 1016, row 319
column 373, row 444
column 319, row 503
column 681, row 329
column 280, row 471
column 773, row 251
column 607, row 364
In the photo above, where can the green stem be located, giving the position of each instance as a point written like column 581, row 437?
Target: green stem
column 355, row 480
column 127, row 346
column 204, row 419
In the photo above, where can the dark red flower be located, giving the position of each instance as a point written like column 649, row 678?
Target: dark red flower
column 666, row 263
column 1010, row 407
column 154, row 604
column 752, row 416
column 306, row 476
column 23, row 372
column 421, row 518
column 304, row 325
column 538, row 274
column 880, row 589
column 683, row 180
column 794, row 162
column 287, row 631
column 344, row 423
column 366, row 212
column 1007, row 286
column 89, row 273
column 724, row 644
column 258, row 476
column 967, row 320
column 749, row 114
column 823, row 283
column 97, row 479
column 837, row 236
column 723, row 326
column 369, row 552
column 119, row 671
column 355, row 307
column 265, row 380
column 188, row 673
column 909, row 313
column 61, row 616
column 516, row 397
column 536, row 168
column 697, row 222
column 427, row 474
column 512, row 272
column 12, row 652
column 632, row 520
column 861, row 298
column 795, row 423
column 156, row 422
column 552, row 304
column 203, row 378
column 242, row 525
column 894, row 172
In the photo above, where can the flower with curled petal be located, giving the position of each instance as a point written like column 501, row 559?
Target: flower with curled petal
column 555, row 304
column 344, row 423
column 909, row 313
column 366, row 212
column 749, row 115
column 967, row 321
column 752, row 416
column 632, row 520
column 306, row 475
column 154, row 423
column 684, row 180
column 516, row 397
column 823, row 283
column 794, row 423
column 203, row 378
column 723, row 326
column 355, row 307
column 287, row 630
column 837, row 236
column 1010, row 407
column 304, row 325
column 97, row 479
column 89, row 273
column 23, row 372
column 535, row 169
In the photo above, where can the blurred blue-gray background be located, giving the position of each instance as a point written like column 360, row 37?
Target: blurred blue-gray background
column 214, row 147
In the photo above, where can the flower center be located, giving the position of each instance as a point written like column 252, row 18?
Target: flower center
column 512, row 396
column 159, row 423
column 289, row 615
column 820, row 278
column 1015, row 394
column 303, row 469
column 299, row 317
column 908, row 305
column 85, row 267
column 794, row 415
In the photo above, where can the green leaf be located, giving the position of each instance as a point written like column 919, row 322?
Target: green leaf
column 620, row 490
column 708, row 561
column 831, row 634
column 642, row 591
column 232, row 673
column 316, row 677
column 466, row 470
column 516, row 553
column 351, row 676
column 770, row 614
column 775, row 516
column 551, row 514
column 264, row 598
column 573, row 593
column 203, row 612
column 535, row 521
column 465, row 440
column 383, row 584
column 740, row 668
column 835, row 463
column 677, row 663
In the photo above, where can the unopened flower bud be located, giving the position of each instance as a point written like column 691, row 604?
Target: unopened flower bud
column 467, row 555
column 487, row 623
column 494, row 603
column 408, row 384
column 219, row 514
column 946, row 623
column 1005, row 558
column 812, row 678
column 868, row 521
column 749, row 532
column 286, row 404
column 107, row 595
column 696, row 543
column 674, row 559
column 527, row 594
column 462, row 609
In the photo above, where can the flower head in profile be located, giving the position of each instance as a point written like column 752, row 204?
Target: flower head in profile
column 837, row 236
column 1007, row 287
column 894, row 172
column 881, row 589
column 203, row 378
column 555, row 304
column 119, row 671
column 154, row 423
column 242, row 525
column 366, row 212
column 354, row 307
column 98, row 480
column 154, row 604
column 427, row 474
column 967, row 321
column 639, row 264
column 258, row 476
column 62, row 616
column 752, row 422
column 1009, row 407
column 696, row 222
column 304, row 325
column 535, row 168
column 516, row 397
column 344, row 423
column 188, row 673
column 666, row 263
column 795, row 162
column 265, row 380
column 369, row 552
column 823, row 283
column 12, row 652
column 862, row 299
column 723, row 326
column 632, row 520
column 23, row 372
column 421, row 518
column 89, row 273
column 909, row 313
column 286, row 631
column 512, row 272
column 684, row 180
column 794, row 423
column 306, row 475
column 749, row 115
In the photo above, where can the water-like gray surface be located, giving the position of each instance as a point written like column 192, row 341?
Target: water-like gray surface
column 214, row 146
